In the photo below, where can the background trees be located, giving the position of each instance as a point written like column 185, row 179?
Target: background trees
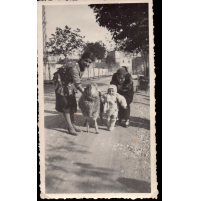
column 99, row 51
column 110, row 61
column 65, row 42
column 128, row 24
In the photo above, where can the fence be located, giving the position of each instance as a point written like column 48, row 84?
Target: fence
column 91, row 72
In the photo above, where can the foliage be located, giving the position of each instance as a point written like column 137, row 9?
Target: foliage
column 110, row 60
column 65, row 41
column 98, row 49
column 128, row 24
column 61, row 61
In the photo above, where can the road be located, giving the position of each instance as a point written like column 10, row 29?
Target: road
column 108, row 162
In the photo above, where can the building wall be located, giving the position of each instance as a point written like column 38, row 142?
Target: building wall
column 137, row 66
column 122, row 59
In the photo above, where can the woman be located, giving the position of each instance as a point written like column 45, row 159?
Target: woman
column 124, row 82
column 67, row 80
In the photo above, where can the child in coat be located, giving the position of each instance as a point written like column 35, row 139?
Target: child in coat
column 110, row 101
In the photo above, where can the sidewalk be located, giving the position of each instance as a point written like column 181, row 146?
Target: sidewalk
column 110, row 162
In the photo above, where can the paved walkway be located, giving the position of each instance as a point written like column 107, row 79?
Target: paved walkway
column 110, row 162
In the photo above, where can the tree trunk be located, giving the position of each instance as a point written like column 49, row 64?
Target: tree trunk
column 45, row 77
column 88, row 72
column 98, row 72
column 49, row 71
column 93, row 69
column 66, row 59
column 144, row 60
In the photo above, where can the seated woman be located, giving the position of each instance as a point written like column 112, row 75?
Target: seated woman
column 124, row 83
column 67, row 80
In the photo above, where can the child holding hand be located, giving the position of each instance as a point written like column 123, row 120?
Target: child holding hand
column 110, row 101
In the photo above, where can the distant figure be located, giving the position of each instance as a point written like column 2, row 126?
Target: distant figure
column 110, row 101
column 124, row 83
column 67, row 80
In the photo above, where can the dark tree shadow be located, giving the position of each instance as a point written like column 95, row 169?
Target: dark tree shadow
column 141, row 103
column 148, row 99
column 52, row 159
column 51, row 112
column 139, row 122
column 50, row 182
column 141, row 94
column 135, row 185
column 91, row 167
column 107, row 184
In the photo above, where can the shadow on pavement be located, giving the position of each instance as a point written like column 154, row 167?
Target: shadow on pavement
column 90, row 167
column 51, row 112
column 107, row 184
column 147, row 99
column 57, row 122
column 139, row 122
column 135, row 185
column 141, row 94
column 92, row 173
column 141, row 103
column 50, row 183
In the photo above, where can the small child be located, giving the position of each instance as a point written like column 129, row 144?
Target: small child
column 110, row 100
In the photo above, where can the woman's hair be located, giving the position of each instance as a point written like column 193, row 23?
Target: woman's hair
column 122, row 71
column 125, row 68
column 87, row 55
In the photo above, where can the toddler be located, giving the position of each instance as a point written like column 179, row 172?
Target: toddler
column 110, row 101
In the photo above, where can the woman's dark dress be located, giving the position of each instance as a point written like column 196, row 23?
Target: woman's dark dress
column 67, row 79
column 126, row 90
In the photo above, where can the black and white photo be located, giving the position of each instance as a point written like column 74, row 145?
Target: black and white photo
column 96, row 99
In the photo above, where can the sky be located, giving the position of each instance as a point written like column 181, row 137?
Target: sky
column 76, row 16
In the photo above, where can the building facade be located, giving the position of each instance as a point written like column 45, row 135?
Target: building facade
column 122, row 59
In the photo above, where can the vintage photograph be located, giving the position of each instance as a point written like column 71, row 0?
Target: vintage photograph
column 96, row 99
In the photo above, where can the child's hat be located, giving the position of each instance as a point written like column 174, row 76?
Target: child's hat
column 112, row 86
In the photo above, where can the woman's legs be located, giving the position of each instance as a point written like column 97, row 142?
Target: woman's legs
column 124, row 114
column 72, row 116
column 108, row 122
column 127, row 115
column 68, row 120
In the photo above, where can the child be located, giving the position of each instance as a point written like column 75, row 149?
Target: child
column 124, row 83
column 110, row 101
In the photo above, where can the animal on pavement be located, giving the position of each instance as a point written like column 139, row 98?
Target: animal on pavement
column 90, row 104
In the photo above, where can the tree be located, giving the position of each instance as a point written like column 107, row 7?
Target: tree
column 61, row 61
column 128, row 24
column 65, row 42
column 98, row 49
column 110, row 60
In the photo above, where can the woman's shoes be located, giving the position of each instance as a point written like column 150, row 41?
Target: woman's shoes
column 76, row 129
column 118, row 122
column 72, row 131
column 126, row 123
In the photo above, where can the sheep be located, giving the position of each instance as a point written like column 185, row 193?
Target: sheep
column 90, row 104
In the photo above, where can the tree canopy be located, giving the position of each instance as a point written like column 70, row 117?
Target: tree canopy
column 110, row 60
column 128, row 24
column 98, row 49
column 65, row 41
